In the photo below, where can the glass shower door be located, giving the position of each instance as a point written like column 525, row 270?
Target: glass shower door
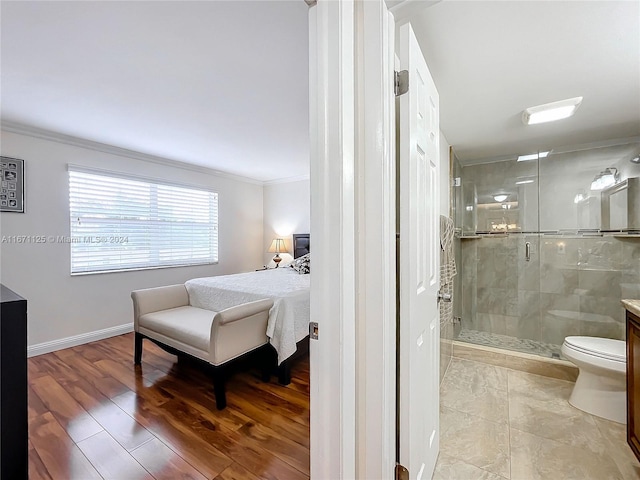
column 499, row 243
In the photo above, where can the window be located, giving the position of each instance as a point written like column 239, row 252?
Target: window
column 121, row 222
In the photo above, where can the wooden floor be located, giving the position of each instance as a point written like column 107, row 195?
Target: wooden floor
column 92, row 414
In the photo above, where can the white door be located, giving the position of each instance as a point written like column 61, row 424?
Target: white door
column 419, row 263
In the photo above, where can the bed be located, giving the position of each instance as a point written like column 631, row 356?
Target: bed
column 288, row 318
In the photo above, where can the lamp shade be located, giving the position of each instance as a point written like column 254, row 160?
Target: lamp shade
column 277, row 246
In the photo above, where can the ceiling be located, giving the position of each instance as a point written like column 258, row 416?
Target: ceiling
column 491, row 60
column 224, row 84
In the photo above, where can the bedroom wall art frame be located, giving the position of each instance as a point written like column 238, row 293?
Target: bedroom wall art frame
column 12, row 181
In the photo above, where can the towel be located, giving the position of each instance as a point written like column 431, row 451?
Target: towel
column 447, row 268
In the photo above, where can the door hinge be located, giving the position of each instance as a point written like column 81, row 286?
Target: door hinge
column 401, row 472
column 401, row 82
column 313, row 330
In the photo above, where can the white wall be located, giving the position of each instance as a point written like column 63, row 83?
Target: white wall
column 62, row 306
column 445, row 182
column 287, row 211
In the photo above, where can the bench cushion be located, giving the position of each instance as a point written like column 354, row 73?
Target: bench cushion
column 188, row 325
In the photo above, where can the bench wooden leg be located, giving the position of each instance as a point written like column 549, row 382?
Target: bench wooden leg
column 137, row 349
column 219, row 378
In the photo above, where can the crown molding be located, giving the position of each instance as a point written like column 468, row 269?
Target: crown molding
column 36, row 132
column 277, row 181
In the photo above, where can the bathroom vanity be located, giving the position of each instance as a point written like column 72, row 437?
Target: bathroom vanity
column 633, row 374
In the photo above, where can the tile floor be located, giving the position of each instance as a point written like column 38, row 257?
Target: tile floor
column 497, row 423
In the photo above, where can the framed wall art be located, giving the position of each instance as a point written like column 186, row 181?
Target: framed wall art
column 12, row 185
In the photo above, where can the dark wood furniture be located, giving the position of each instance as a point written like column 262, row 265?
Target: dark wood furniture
column 633, row 382
column 14, row 438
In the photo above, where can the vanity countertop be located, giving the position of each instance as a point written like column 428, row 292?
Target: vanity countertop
column 633, row 306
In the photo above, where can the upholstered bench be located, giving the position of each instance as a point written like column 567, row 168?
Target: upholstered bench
column 163, row 315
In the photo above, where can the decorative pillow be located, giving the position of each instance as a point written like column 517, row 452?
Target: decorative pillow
column 302, row 264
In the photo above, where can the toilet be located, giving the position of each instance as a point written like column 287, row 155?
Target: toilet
column 601, row 385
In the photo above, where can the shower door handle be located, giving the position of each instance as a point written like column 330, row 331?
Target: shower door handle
column 527, row 251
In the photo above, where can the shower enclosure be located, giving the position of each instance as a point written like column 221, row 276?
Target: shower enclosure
column 546, row 246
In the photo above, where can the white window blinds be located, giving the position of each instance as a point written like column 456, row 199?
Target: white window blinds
column 121, row 222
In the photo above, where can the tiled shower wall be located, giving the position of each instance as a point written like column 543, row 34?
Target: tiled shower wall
column 571, row 286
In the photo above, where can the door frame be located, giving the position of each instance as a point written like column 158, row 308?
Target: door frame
column 353, row 225
column 332, row 142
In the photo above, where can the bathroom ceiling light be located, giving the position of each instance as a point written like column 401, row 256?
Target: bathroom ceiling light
column 550, row 112
column 533, row 156
column 524, row 182
column 500, row 198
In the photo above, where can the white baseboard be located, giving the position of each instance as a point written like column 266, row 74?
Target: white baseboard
column 52, row 346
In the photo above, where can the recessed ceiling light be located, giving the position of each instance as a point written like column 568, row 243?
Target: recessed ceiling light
column 532, row 156
column 550, row 112
column 500, row 198
column 524, row 182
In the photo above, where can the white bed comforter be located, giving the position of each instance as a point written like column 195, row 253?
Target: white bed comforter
column 289, row 316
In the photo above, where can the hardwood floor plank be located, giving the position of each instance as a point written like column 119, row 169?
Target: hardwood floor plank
column 53, row 366
column 272, row 403
column 35, row 405
column 73, row 418
column 286, row 393
column 105, row 384
column 179, row 437
column 282, row 447
column 278, row 423
column 152, row 355
column 163, row 463
column 37, row 469
column 126, row 374
column 110, row 459
column 33, row 369
column 236, row 472
column 80, row 387
column 89, row 351
column 58, row 453
column 203, row 400
column 124, row 429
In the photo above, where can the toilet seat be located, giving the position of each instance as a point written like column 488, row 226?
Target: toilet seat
column 606, row 348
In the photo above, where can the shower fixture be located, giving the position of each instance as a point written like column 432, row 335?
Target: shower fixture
column 606, row 178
